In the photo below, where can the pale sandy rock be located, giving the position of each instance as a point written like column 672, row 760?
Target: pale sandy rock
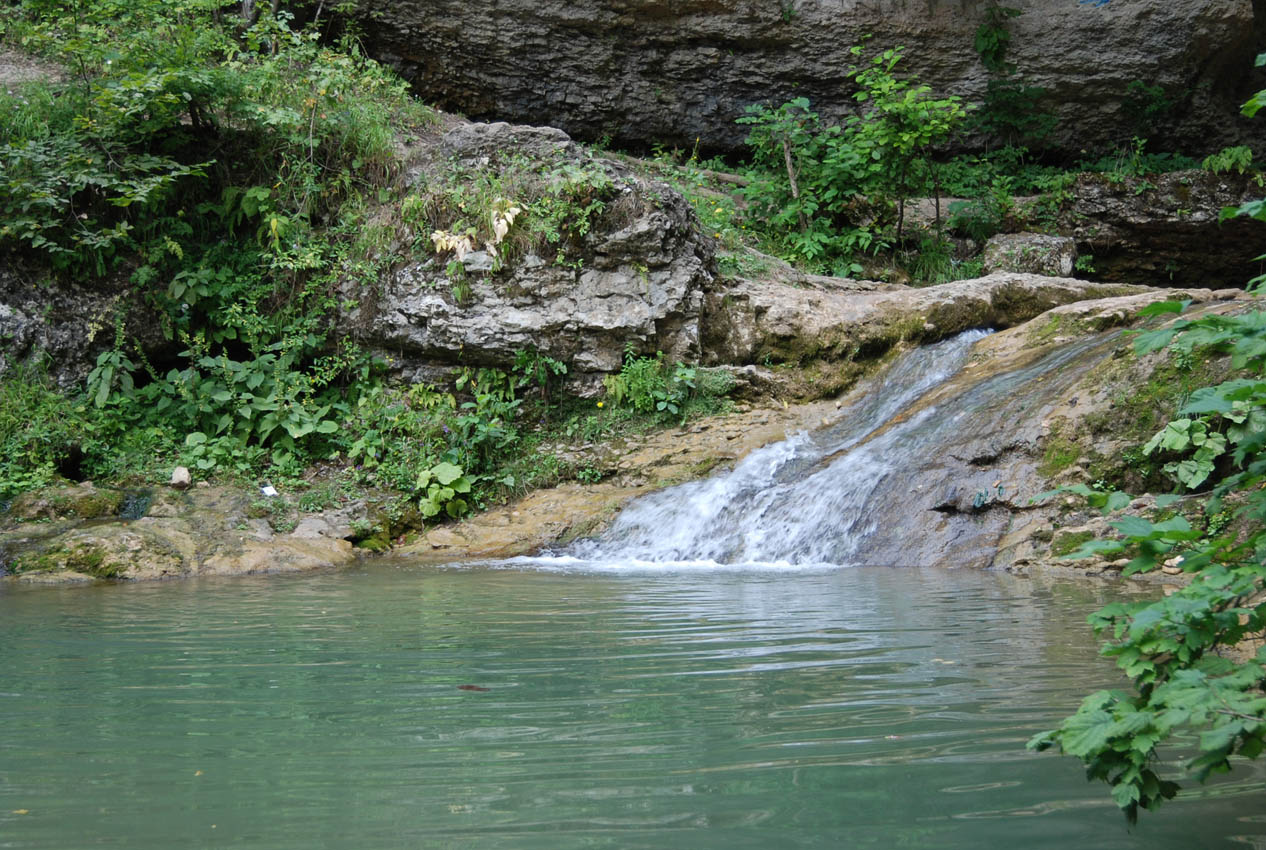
column 640, row 284
column 751, row 321
column 1031, row 253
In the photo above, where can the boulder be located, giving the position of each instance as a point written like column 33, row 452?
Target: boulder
column 65, row 502
column 204, row 531
column 637, row 282
column 653, row 71
column 1166, row 229
column 1031, row 253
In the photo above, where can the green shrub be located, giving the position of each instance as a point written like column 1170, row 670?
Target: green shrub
column 817, row 188
column 227, row 168
column 40, row 430
column 648, row 385
column 1238, row 159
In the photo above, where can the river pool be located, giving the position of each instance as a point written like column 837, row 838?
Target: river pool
column 578, row 706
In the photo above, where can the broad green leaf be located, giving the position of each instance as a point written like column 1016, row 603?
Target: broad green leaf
column 1133, row 526
column 1161, row 308
column 446, row 473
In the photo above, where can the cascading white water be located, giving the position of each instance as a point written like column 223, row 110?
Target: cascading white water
column 820, row 499
column 775, row 507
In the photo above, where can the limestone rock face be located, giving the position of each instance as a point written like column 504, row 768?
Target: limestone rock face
column 973, row 503
column 64, row 325
column 1165, row 230
column 639, row 283
column 642, row 71
column 751, row 321
column 1034, row 253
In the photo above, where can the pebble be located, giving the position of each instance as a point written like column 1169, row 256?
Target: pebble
column 180, row 478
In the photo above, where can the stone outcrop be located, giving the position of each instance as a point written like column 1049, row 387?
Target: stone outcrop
column 646, row 71
column 974, row 505
column 638, row 282
column 1165, row 229
column 203, row 532
column 970, row 505
column 1031, row 253
column 64, row 325
column 83, row 501
column 750, row 322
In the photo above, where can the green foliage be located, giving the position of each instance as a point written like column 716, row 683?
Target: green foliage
column 807, row 185
column 1238, row 159
column 234, row 172
column 534, row 369
column 39, row 428
column 993, row 38
column 1135, row 161
column 441, row 488
column 823, row 189
column 1172, row 649
column 1147, row 107
column 1012, row 112
column 1175, row 650
column 447, row 454
column 648, row 385
column 543, row 206
column 227, row 169
column 1011, row 109
column 989, row 214
column 933, row 262
column 901, row 124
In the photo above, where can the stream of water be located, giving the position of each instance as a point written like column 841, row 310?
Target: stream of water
column 710, row 674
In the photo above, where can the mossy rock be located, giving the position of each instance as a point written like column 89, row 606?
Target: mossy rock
column 68, row 502
column 1066, row 542
column 85, row 558
column 385, row 522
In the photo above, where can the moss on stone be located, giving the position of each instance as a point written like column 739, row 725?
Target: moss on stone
column 94, row 504
column 1061, row 452
column 1047, row 331
column 67, row 501
column 1066, row 542
column 80, row 558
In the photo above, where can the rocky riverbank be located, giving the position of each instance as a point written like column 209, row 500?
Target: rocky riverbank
column 1076, row 434
column 636, row 275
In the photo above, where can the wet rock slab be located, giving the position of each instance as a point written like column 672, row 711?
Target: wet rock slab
column 204, row 531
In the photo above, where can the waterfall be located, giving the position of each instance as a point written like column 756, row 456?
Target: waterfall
column 862, row 490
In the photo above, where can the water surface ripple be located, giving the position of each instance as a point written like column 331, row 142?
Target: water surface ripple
column 402, row 707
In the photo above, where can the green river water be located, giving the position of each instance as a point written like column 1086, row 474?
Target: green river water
column 623, row 709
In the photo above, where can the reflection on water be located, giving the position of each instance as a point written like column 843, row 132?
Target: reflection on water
column 653, row 709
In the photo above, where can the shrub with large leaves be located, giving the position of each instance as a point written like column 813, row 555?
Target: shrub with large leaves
column 1185, row 653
